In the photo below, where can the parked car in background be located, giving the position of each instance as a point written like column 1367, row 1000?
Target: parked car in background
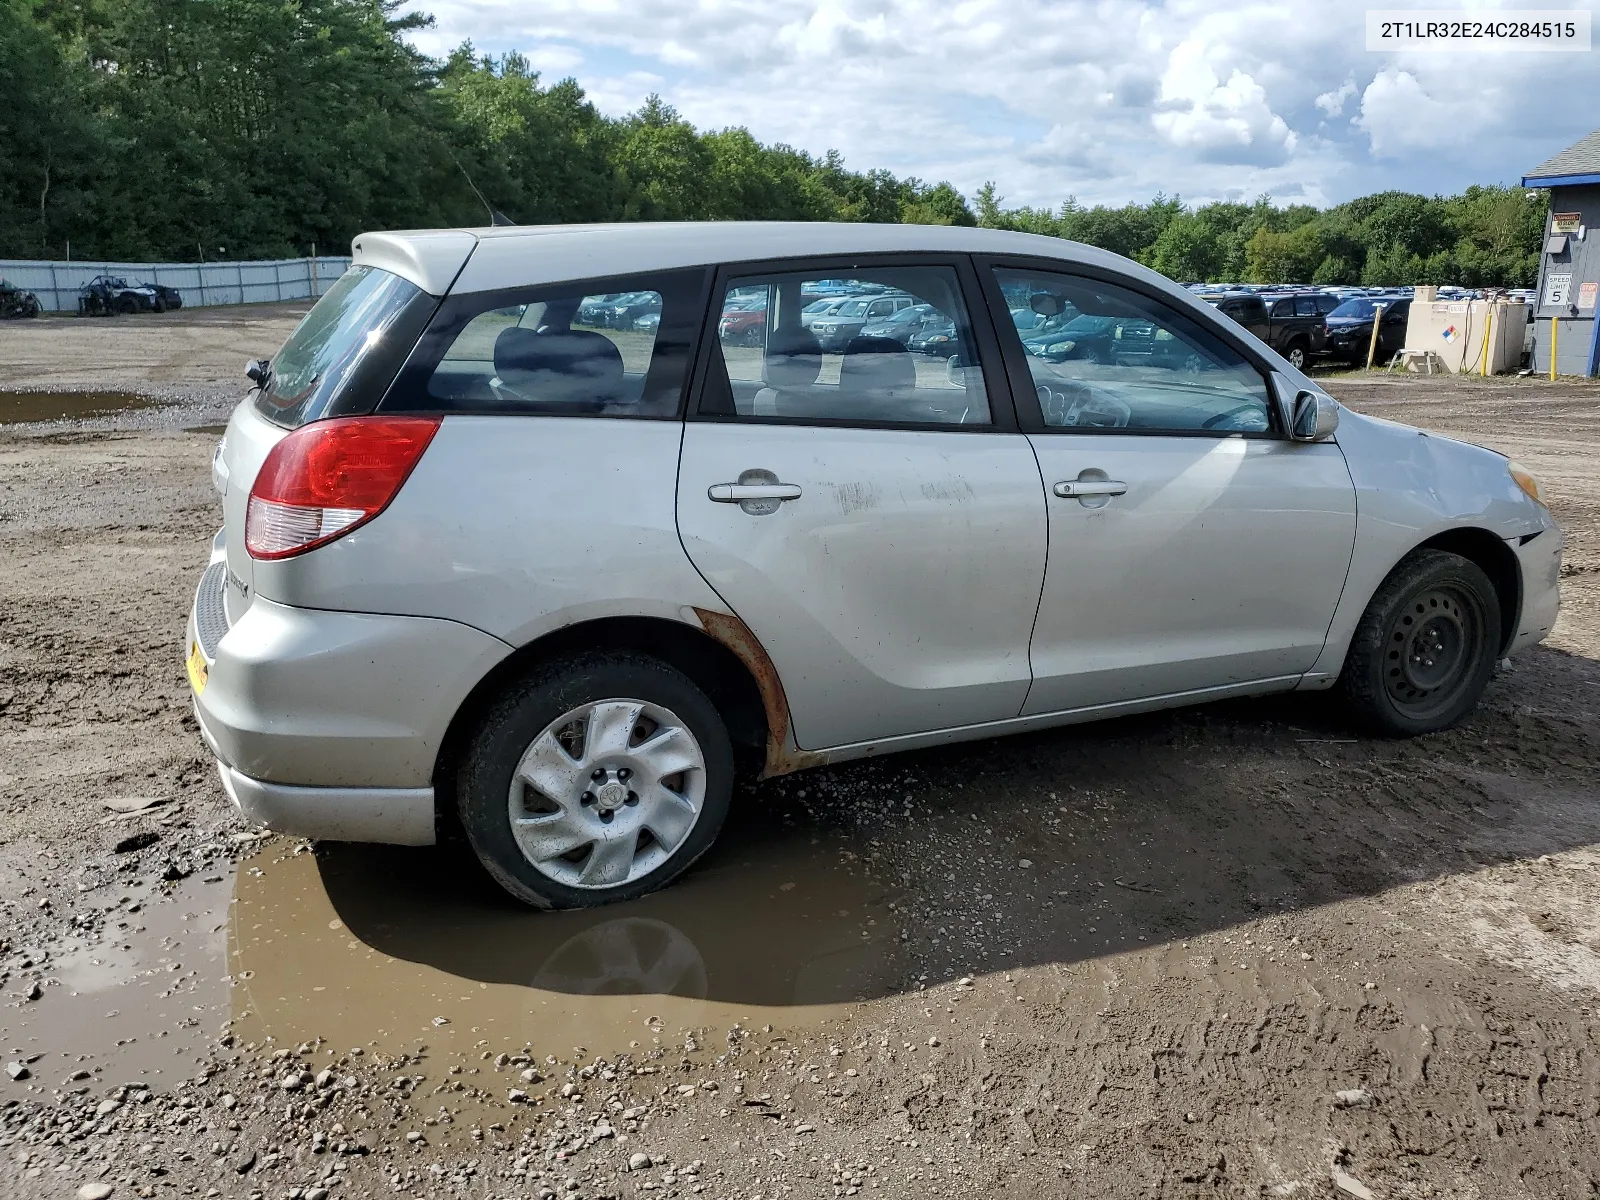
column 107, row 294
column 797, row 555
column 1292, row 323
column 628, row 308
column 1247, row 309
column 1297, row 325
column 596, row 310
column 1072, row 335
column 744, row 321
column 905, row 324
column 851, row 317
column 936, row 338
column 1350, row 329
column 648, row 323
column 16, row 303
column 820, row 308
column 165, row 298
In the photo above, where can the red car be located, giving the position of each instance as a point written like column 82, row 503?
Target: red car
column 744, row 322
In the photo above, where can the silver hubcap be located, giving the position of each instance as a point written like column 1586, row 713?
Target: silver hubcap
column 607, row 793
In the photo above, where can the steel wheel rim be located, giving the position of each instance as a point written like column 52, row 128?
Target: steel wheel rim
column 606, row 793
column 1430, row 650
column 1297, row 358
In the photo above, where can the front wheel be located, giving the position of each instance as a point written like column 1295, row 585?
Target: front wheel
column 1425, row 648
column 595, row 779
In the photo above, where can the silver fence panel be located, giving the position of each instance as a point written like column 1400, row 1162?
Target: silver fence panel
column 263, row 281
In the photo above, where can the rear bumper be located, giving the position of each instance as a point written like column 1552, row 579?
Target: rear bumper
column 328, row 724
column 398, row 816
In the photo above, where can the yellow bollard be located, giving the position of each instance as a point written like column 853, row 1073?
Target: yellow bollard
column 1372, row 346
column 1488, row 330
column 1552, row 347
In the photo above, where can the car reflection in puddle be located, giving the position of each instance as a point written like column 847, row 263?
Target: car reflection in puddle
column 367, row 945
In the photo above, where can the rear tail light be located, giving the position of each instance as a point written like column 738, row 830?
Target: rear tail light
column 329, row 477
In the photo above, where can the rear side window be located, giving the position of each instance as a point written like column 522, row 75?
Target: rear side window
column 346, row 350
column 906, row 357
column 614, row 347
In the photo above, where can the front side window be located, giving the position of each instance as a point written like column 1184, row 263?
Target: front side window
column 562, row 350
column 1118, row 359
column 896, row 348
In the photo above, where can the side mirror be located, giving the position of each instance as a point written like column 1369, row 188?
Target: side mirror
column 955, row 370
column 1313, row 418
column 258, row 371
column 1045, row 304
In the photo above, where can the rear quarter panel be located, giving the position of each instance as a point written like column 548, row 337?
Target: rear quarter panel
column 516, row 525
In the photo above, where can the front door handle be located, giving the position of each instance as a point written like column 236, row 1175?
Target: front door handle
column 1079, row 488
column 739, row 493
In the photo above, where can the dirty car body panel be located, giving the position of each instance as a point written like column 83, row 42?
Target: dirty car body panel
column 1011, row 551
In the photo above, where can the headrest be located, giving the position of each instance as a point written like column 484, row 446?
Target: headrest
column 563, row 366
column 876, row 364
column 794, row 359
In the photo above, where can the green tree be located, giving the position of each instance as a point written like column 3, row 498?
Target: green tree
column 1273, row 257
column 1188, row 249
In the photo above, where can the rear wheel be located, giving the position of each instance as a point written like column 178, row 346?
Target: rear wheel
column 1425, row 648
column 1295, row 353
column 596, row 779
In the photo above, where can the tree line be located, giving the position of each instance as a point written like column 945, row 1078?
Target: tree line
column 185, row 129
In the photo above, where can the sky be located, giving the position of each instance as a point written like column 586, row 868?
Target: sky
column 1107, row 101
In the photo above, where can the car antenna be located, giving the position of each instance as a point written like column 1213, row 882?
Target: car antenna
column 496, row 217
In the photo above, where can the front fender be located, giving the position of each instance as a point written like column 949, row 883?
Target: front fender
column 1412, row 486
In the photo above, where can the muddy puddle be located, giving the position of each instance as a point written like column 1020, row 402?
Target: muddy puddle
column 390, row 948
column 24, row 407
column 141, row 998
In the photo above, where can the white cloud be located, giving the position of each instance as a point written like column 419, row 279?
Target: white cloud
column 1111, row 100
column 1333, row 102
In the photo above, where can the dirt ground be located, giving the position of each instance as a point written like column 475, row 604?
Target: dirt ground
column 1236, row 950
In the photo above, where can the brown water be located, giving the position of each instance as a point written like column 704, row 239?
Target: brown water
column 19, row 407
column 372, row 946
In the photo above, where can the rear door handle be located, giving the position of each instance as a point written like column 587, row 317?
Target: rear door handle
column 1078, row 488
column 738, row 493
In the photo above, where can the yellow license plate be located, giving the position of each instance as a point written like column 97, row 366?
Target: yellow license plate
column 197, row 668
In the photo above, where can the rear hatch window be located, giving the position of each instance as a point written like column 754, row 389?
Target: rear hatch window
column 345, row 352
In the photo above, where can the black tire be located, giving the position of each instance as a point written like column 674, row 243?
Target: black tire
column 489, row 762
column 1425, row 648
column 1296, row 355
column 160, row 305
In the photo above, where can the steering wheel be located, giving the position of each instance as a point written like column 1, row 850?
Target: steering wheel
column 1212, row 422
column 1078, row 404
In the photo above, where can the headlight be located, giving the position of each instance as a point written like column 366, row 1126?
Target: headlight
column 1525, row 480
column 1062, row 347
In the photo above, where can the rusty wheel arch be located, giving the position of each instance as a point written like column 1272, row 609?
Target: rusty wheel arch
column 782, row 756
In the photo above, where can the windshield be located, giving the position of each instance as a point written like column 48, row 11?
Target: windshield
column 345, row 351
column 852, row 308
column 1358, row 309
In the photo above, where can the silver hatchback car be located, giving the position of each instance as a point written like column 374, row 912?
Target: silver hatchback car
column 494, row 552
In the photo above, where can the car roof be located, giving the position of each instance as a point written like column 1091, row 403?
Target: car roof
column 474, row 260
